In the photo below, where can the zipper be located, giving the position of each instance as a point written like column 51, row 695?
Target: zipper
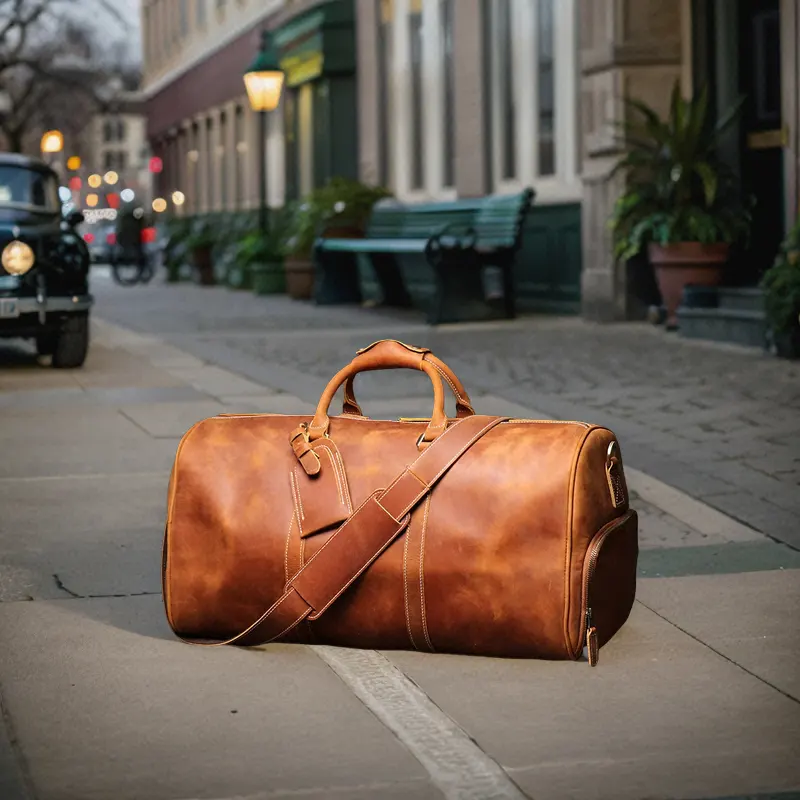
column 616, row 485
column 591, row 648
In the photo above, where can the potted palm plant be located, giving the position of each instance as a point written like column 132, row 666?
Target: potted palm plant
column 201, row 241
column 781, row 285
column 340, row 209
column 682, row 203
column 259, row 256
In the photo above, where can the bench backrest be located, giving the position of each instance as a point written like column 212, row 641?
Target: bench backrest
column 496, row 220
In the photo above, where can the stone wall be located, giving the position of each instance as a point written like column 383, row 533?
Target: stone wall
column 627, row 48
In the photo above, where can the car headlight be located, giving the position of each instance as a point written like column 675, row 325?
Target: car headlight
column 17, row 258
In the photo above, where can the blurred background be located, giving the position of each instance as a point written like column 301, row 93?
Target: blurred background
column 433, row 100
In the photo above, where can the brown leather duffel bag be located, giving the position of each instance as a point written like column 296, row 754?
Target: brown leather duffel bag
column 482, row 535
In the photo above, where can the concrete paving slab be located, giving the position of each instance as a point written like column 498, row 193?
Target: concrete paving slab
column 171, row 420
column 749, row 618
column 131, row 713
column 78, row 442
column 727, row 559
column 659, row 703
column 216, row 381
column 112, row 367
column 41, row 509
column 266, row 404
column 92, row 548
column 12, row 784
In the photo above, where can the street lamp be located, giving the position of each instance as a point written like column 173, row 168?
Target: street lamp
column 264, row 81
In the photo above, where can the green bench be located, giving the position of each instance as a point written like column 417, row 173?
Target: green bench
column 467, row 245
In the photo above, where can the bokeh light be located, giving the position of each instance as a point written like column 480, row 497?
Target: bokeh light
column 159, row 205
column 179, row 198
column 92, row 200
column 94, row 181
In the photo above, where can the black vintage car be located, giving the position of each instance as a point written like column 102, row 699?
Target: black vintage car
column 44, row 277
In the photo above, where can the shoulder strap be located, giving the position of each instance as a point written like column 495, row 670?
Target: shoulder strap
column 366, row 533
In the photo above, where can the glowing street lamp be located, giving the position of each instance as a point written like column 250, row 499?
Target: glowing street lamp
column 264, row 77
column 264, row 82
column 52, row 142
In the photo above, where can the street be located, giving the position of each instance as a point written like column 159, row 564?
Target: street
column 697, row 697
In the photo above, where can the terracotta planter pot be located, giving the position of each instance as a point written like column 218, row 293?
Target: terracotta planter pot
column 203, row 265
column 299, row 277
column 683, row 264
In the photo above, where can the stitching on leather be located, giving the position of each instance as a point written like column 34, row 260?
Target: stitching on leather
column 339, row 530
column 299, row 503
column 335, row 470
column 405, row 585
column 452, row 385
column 455, row 458
column 286, row 552
column 340, row 464
column 374, row 558
column 422, row 573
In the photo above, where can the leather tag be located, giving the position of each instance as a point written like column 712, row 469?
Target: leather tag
column 321, row 500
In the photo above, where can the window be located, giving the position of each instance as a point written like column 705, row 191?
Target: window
column 533, row 90
column 446, row 9
column 546, row 100
column 108, row 131
column 385, row 62
column 417, row 103
column 122, row 130
column 506, row 116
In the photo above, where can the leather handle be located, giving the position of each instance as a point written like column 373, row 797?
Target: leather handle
column 463, row 403
column 385, row 354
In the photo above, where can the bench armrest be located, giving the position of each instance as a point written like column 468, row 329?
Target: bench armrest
column 437, row 243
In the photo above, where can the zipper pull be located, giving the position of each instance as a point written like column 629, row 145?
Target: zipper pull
column 616, row 484
column 592, row 650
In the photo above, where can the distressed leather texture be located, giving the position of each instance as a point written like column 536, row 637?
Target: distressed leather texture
column 500, row 553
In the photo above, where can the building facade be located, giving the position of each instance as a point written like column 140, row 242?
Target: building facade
column 441, row 99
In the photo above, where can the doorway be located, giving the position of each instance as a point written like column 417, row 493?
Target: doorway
column 737, row 51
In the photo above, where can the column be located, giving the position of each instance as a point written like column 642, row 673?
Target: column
column 369, row 156
column 628, row 47
column 473, row 177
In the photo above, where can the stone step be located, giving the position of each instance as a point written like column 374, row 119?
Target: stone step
column 744, row 298
column 737, row 326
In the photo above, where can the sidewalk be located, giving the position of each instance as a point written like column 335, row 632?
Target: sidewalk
column 697, row 697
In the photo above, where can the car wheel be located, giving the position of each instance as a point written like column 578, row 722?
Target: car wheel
column 46, row 344
column 72, row 342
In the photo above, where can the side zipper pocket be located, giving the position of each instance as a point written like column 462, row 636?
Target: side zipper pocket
column 609, row 587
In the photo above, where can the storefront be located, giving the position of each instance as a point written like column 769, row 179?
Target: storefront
column 317, row 53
